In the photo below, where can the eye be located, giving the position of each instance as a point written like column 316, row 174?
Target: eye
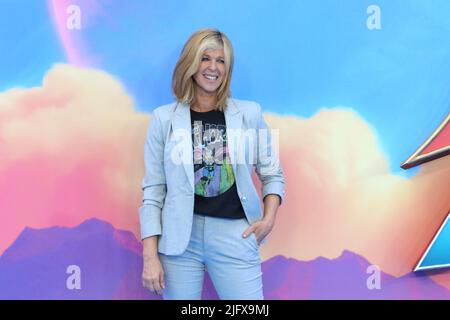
column 205, row 58
column 221, row 61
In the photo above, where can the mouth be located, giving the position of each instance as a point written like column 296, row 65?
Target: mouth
column 211, row 77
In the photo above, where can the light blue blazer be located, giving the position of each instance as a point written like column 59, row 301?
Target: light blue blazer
column 168, row 184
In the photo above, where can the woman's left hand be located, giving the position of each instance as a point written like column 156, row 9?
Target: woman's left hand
column 261, row 229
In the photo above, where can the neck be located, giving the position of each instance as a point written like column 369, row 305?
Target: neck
column 204, row 101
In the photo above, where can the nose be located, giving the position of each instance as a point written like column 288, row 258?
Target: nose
column 212, row 65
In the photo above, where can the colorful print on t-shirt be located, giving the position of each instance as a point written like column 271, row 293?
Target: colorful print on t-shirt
column 213, row 173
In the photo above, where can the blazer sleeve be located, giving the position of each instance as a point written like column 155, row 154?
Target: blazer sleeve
column 154, row 181
column 268, row 166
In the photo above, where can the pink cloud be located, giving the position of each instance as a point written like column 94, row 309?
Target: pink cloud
column 71, row 149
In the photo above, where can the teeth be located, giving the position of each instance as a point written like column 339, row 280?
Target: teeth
column 211, row 77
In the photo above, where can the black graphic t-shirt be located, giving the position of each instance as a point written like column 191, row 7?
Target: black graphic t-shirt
column 215, row 187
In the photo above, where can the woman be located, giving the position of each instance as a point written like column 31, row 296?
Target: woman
column 200, row 209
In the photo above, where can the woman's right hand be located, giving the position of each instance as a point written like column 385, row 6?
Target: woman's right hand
column 153, row 274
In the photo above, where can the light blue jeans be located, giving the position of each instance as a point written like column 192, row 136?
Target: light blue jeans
column 216, row 245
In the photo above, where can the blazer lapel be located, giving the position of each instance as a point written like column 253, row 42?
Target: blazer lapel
column 233, row 120
column 181, row 125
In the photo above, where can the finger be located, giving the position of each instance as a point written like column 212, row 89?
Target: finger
column 156, row 286
column 161, row 280
column 247, row 232
column 145, row 283
column 149, row 286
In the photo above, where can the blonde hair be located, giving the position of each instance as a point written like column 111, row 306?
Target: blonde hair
column 183, row 84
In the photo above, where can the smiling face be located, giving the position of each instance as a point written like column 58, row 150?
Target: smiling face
column 211, row 71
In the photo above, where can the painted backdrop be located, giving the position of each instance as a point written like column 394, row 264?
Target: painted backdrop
column 354, row 88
